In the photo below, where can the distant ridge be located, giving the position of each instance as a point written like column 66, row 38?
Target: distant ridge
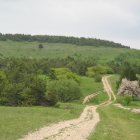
column 61, row 39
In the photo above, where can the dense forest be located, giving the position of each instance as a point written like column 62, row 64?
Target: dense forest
column 61, row 39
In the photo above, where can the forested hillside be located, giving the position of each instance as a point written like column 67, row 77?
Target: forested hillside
column 61, row 39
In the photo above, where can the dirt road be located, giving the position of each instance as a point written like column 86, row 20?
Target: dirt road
column 76, row 129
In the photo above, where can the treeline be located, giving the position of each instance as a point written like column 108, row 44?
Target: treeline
column 131, row 60
column 61, row 39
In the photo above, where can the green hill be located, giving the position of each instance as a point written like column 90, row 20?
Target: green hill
column 58, row 50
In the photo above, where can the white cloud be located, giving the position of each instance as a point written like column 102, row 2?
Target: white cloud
column 116, row 20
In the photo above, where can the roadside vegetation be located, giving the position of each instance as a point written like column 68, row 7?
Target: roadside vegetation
column 18, row 121
column 124, row 100
column 100, row 98
column 116, row 124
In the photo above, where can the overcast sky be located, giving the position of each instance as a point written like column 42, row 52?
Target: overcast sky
column 116, row 20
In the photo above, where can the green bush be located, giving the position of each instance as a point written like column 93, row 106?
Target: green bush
column 92, row 71
column 98, row 77
column 37, row 91
column 65, row 73
column 64, row 90
column 125, row 100
column 12, row 94
column 17, row 94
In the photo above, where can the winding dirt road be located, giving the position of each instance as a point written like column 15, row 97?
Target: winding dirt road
column 76, row 129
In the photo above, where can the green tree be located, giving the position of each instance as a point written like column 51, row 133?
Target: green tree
column 129, row 71
column 64, row 90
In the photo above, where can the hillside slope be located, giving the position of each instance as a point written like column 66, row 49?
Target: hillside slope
column 58, row 50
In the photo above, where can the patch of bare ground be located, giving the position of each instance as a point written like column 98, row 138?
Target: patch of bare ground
column 121, row 106
column 135, row 110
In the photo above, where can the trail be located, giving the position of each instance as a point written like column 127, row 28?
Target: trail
column 76, row 129
column 122, row 107
column 134, row 110
column 87, row 98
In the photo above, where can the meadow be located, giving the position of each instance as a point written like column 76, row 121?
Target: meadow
column 18, row 121
column 117, row 124
column 58, row 50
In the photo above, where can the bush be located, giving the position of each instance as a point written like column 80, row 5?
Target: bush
column 64, row 90
column 12, row 94
column 64, row 73
column 98, row 77
column 3, row 81
column 37, row 91
column 125, row 100
column 92, row 71
column 40, row 46
column 17, row 94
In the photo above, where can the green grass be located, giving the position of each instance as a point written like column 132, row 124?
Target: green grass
column 113, row 82
column 18, row 121
column 117, row 124
column 100, row 98
column 55, row 50
column 89, row 86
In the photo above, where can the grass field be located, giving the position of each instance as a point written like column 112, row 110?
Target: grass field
column 57, row 50
column 18, row 121
column 100, row 98
column 113, row 82
column 89, row 86
column 117, row 124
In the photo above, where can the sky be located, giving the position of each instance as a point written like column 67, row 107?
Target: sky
column 115, row 20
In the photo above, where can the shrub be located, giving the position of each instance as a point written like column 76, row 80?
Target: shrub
column 37, row 91
column 98, row 77
column 40, row 46
column 52, row 97
column 3, row 81
column 91, row 71
column 102, row 69
column 16, row 94
column 12, row 94
column 65, row 73
column 64, row 90
column 125, row 100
